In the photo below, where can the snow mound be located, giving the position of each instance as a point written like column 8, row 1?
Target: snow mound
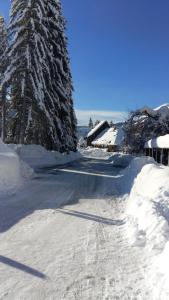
column 37, row 156
column 121, row 160
column 130, row 173
column 13, row 172
column 96, row 153
column 147, row 212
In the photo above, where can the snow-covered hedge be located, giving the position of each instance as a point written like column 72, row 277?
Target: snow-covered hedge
column 13, row 171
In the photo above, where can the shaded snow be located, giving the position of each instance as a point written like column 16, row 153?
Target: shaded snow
column 37, row 156
column 13, row 171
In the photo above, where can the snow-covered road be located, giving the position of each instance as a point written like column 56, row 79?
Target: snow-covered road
column 64, row 237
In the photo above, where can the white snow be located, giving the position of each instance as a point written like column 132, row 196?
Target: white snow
column 13, row 171
column 88, row 230
column 37, row 156
column 110, row 136
column 96, row 153
column 91, row 132
column 148, row 218
column 159, row 142
column 162, row 112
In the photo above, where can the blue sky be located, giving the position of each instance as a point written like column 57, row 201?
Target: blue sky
column 119, row 52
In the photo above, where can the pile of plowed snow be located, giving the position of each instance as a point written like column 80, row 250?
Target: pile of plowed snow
column 147, row 211
column 13, row 171
column 95, row 153
column 116, row 159
column 37, row 156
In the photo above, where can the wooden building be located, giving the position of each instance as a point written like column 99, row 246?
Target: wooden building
column 158, row 148
column 98, row 129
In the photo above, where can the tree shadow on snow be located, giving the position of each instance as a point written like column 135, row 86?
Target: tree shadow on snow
column 16, row 265
column 58, row 186
column 91, row 217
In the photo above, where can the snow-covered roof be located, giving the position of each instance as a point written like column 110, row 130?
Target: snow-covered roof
column 109, row 136
column 159, row 142
column 91, row 132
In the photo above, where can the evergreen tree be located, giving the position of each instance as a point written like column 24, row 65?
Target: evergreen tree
column 3, row 65
column 35, row 74
column 97, row 122
column 91, row 124
column 61, row 75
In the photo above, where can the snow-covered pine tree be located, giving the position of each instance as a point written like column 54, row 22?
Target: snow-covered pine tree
column 61, row 75
column 97, row 122
column 3, row 65
column 36, row 97
column 91, row 124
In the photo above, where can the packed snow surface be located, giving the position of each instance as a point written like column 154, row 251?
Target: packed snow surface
column 159, row 142
column 88, row 230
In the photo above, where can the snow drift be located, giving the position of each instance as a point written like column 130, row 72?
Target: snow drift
column 13, row 171
column 147, row 211
column 37, row 156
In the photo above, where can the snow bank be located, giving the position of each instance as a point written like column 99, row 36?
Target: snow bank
column 130, row 173
column 147, row 211
column 121, row 160
column 37, row 156
column 13, row 172
column 95, row 153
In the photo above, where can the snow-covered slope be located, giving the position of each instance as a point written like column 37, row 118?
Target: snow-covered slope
column 13, row 171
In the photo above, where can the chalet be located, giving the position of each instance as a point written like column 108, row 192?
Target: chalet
column 98, row 129
column 104, row 136
column 110, row 138
column 158, row 148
